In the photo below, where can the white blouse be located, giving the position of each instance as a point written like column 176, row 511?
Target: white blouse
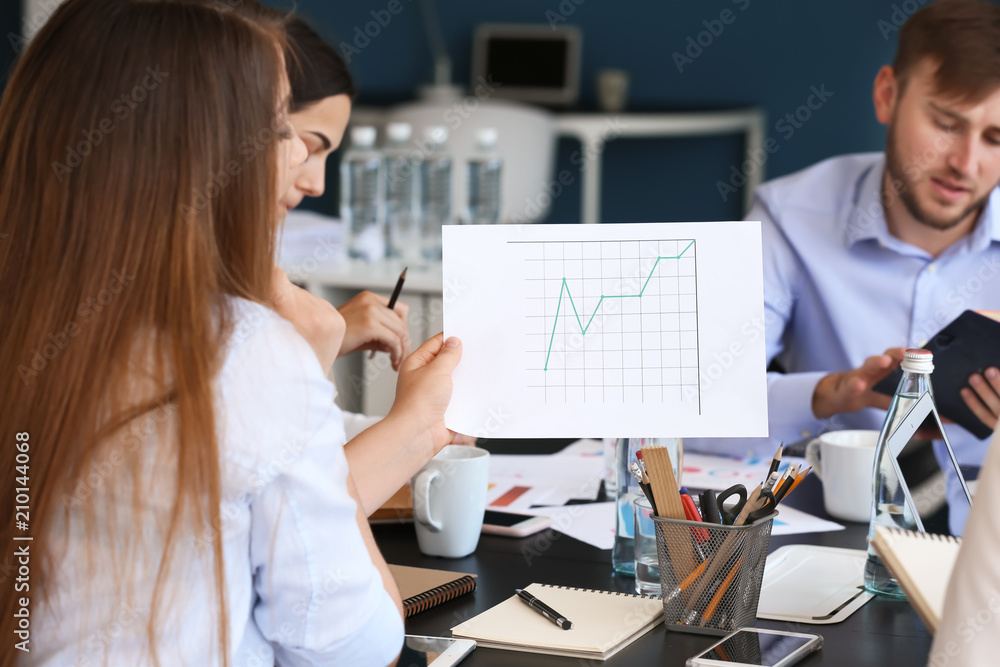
column 300, row 585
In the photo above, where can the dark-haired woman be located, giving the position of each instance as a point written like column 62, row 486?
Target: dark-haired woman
column 322, row 94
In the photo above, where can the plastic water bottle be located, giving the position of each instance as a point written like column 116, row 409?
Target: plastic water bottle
column 435, row 185
column 890, row 507
column 610, row 468
column 485, row 168
column 623, row 552
column 402, row 193
column 362, row 196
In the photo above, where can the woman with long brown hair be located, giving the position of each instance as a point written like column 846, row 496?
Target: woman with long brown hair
column 169, row 436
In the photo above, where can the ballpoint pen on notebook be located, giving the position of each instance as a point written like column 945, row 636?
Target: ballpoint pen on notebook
column 543, row 609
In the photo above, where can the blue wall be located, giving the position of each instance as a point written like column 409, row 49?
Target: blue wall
column 10, row 30
column 770, row 54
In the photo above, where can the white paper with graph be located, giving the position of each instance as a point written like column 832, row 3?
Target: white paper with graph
column 612, row 330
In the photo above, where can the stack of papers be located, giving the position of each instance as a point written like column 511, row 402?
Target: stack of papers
column 543, row 484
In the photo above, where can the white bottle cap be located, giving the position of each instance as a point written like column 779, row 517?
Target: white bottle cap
column 363, row 136
column 399, row 132
column 917, row 361
column 437, row 134
column 486, row 137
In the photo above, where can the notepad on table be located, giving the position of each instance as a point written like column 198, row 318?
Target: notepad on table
column 603, row 622
column 422, row 588
column 922, row 564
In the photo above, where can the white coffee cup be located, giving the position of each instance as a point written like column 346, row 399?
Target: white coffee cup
column 449, row 501
column 845, row 464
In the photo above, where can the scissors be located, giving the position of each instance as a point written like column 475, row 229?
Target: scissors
column 731, row 513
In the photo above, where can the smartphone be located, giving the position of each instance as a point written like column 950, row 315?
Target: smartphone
column 758, row 648
column 421, row 651
column 514, row 525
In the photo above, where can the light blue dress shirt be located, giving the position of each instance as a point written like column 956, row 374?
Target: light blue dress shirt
column 838, row 288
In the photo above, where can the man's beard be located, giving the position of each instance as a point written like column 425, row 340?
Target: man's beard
column 908, row 194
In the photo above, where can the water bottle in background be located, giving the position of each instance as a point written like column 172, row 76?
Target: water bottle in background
column 484, row 172
column 362, row 196
column 435, row 185
column 402, row 194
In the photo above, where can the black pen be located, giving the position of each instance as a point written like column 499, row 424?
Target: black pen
column 397, row 290
column 543, row 609
column 392, row 299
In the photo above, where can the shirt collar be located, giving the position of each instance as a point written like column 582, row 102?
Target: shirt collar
column 866, row 221
column 988, row 228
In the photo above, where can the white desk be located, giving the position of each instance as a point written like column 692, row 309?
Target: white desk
column 592, row 130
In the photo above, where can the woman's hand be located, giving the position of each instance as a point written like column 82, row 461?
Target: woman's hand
column 984, row 397
column 372, row 326
column 423, row 389
column 314, row 318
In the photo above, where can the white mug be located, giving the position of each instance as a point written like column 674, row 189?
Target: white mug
column 449, row 501
column 845, row 464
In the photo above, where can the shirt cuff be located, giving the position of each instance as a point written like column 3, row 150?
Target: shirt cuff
column 789, row 405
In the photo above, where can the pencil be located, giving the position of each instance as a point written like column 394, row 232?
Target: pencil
column 798, row 480
column 717, row 598
column 392, row 299
column 776, row 461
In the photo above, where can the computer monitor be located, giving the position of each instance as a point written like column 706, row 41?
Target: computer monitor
column 532, row 63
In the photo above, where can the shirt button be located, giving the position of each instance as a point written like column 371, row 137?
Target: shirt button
column 805, row 434
column 932, row 268
column 922, row 343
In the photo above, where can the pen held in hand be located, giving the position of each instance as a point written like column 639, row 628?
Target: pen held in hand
column 395, row 296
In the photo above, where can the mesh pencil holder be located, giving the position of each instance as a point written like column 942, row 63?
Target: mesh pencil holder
column 711, row 574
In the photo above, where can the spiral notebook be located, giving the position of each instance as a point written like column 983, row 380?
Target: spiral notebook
column 603, row 622
column 422, row 588
column 922, row 564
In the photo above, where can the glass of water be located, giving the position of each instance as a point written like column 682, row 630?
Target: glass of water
column 647, row 564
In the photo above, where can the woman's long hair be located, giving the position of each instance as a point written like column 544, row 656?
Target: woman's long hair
column 137, row 191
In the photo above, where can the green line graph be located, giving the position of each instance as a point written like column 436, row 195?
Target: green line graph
column 564, row 289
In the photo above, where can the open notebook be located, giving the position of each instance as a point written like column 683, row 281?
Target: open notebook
column 603, row 622
column 922, row 564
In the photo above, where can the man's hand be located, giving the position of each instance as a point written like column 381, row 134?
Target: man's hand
column 984, row 397
column 372, row 326
column 314, row 318
column 851, row 391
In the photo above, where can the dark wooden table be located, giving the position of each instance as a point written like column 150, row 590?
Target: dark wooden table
column 882, row 632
